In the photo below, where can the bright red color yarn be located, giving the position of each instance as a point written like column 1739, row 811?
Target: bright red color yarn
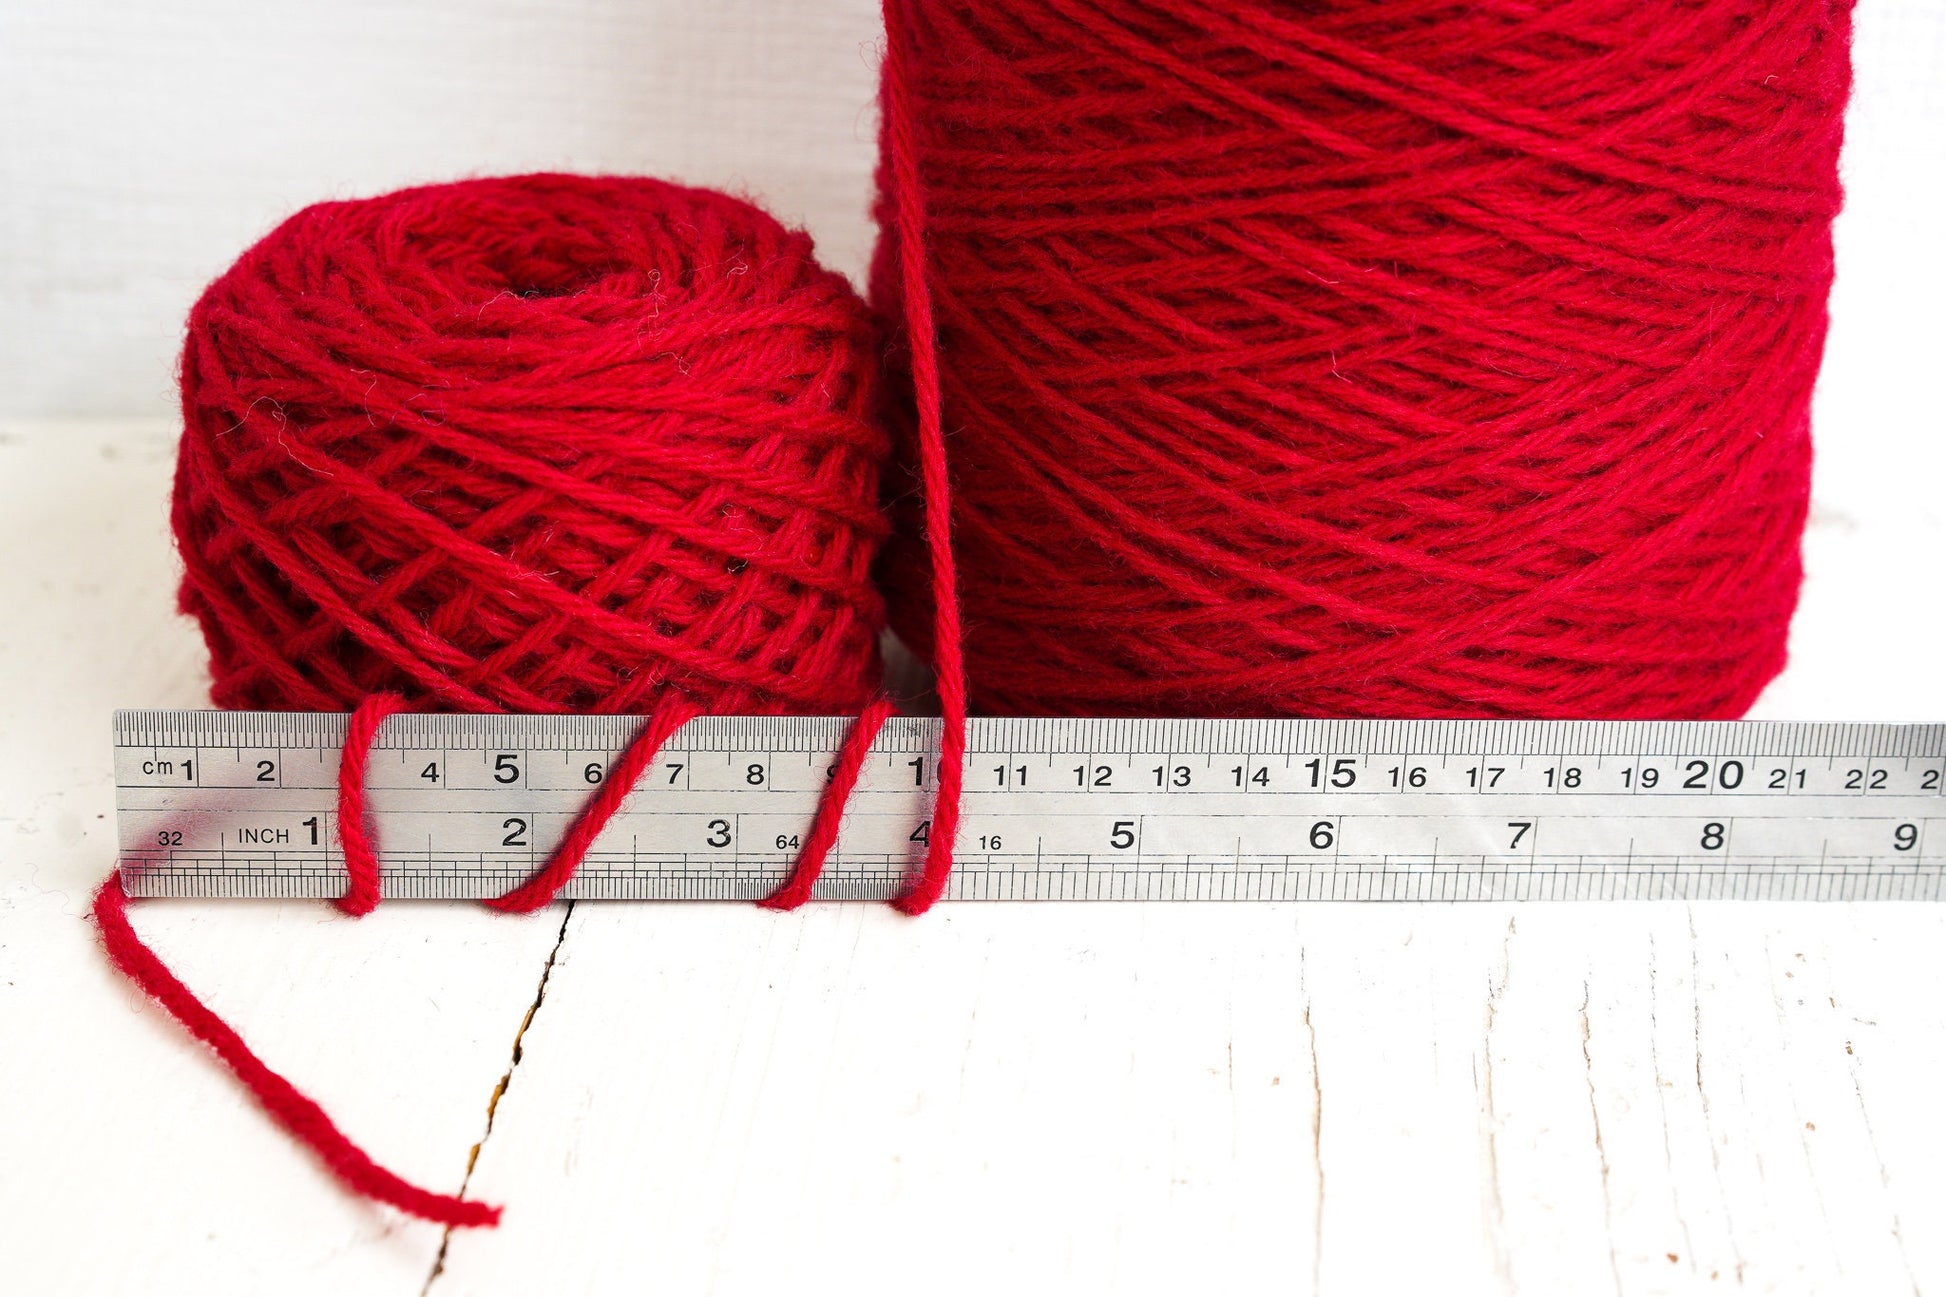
column 1366, row 358
column 548, row 443
column 295, row 1110
column 545, row 444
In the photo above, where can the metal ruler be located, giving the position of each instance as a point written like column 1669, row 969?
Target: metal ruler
column 242, row 804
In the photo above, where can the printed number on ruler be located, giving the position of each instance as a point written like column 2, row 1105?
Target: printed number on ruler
column 242, row 804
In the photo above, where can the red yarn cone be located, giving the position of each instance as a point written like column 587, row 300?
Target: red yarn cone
column 1368, row 359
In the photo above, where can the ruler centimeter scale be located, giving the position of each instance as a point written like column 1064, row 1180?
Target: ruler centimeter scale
column 243, row 804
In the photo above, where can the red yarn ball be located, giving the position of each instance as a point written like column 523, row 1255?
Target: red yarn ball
column 1373, row 358
column 547, row 443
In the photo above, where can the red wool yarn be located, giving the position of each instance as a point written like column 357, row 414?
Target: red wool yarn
column 1365, row 358
column 544, row 444
column 539, row 444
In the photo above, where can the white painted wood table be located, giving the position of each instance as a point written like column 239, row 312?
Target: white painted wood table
column 1141, row 1098
column 1340, row 1099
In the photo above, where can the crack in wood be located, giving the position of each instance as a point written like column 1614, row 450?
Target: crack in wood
column 1702, row 1094
column 1601, row 1149
column 499, row 1090
column 1853, row 1068
column 1317, row 1125
column 1496, row 1203
column 1662, row 1088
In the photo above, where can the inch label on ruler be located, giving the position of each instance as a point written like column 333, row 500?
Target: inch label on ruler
column 234, row 804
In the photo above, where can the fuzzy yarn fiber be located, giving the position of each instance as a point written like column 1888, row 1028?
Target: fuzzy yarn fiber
column 539, row 444
column 548, row 443
column 1367, row 359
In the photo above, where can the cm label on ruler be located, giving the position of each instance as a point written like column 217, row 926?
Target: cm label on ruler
column 242, row 804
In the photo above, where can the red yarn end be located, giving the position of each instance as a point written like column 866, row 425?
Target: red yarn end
column 295, row 1111
column 354, row 834
column 796, row 889
column 947, row 657
column 671, row 715
column 938, row 871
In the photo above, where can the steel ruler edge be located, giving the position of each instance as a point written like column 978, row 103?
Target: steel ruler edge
column 243, row 804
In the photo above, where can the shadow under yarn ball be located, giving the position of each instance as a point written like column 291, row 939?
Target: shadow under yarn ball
column 546, row 443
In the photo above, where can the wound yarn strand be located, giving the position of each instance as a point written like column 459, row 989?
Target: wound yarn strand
column 542, row 443
column 540, row 890
column 536, row 444
column 298, row 1113
column 796, row 888
column 944, row 639
column 362, row 885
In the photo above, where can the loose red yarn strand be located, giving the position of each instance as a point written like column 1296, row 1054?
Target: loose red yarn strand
column 354, row 833
column 671, row 715
column 823, row 835
column 334, row 568
column 947, row 660
column 361, row 857
column 301, row 1115
column 295, row 1111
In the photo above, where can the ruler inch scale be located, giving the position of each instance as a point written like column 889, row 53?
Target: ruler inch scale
column 243, row 804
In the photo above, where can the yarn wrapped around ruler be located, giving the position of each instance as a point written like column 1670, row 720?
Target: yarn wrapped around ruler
column 548, row 443
column 1367, row 358
column 538, row 444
